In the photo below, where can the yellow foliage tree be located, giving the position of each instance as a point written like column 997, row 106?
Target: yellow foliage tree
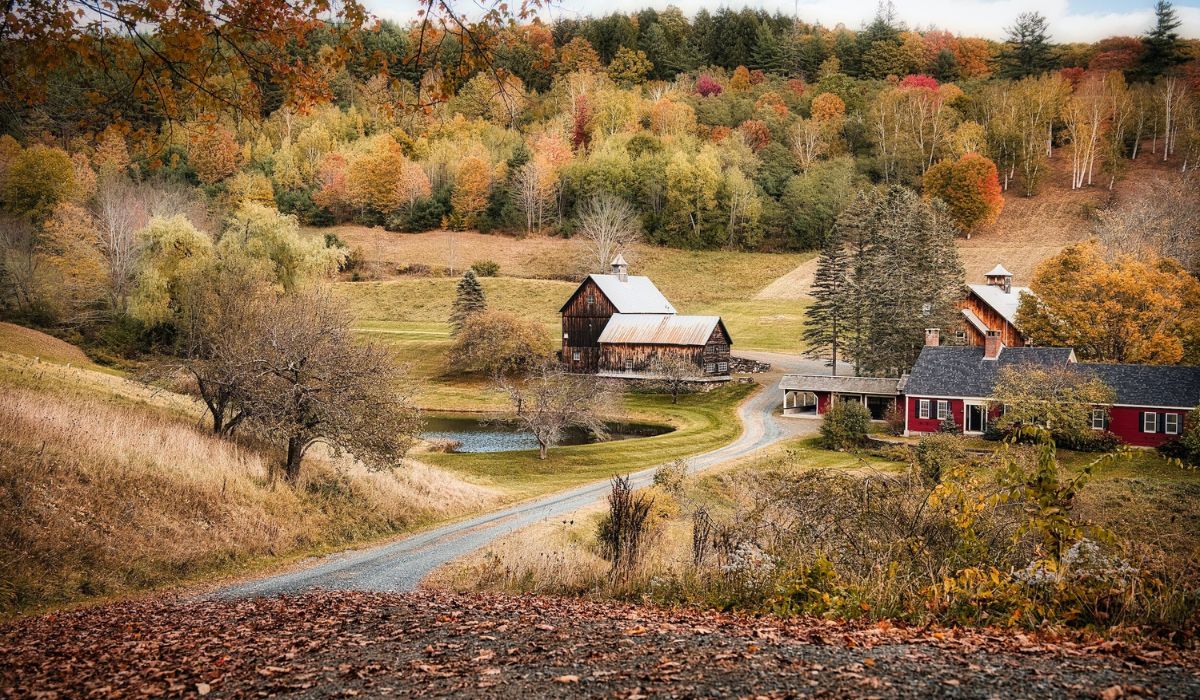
column 472, row 184
column 213, row 153
column 1127, row 310
column 373, row 175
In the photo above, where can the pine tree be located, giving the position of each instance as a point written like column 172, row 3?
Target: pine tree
column 824, row 319
column 1163, row 48
column 468, row 300
column 1027, row 50
column 769, row 53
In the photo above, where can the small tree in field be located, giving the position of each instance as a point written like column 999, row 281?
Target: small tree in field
column 673, row 375
column 547, row 401
column 317, row 382
column 846, row 425
column 469, row 300
column 499, row 343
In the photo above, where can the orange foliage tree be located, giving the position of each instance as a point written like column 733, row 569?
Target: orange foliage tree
column 472, row 184
column 1129, row 310
column 213, row 153
column 970, row 187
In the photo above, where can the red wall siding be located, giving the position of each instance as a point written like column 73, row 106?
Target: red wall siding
column 931, row 424
column 1126, row 422
column 822, row 402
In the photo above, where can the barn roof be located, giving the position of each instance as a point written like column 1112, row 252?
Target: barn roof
column 633, row 295
column 999, row 271
column 885, row 386
column 660, row 329
column 954, row 370
column 1005, row 303
column 1150, row 385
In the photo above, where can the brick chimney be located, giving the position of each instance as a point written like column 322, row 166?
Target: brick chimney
column 933, row 337
column 992, row 345
column 620, row 268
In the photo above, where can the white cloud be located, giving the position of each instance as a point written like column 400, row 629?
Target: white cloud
column 985, row 18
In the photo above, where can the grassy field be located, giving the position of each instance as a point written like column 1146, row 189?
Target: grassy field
column 701, row 422
column 26, row 341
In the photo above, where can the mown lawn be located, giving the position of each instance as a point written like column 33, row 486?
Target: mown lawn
column 702, row 422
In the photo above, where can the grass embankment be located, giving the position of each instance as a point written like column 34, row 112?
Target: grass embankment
column 30, row 343
column 702, row 422
column 108, row 487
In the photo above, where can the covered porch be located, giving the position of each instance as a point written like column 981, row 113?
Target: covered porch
column 809, row 395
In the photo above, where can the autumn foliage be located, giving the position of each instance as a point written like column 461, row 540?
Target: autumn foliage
column 970, row 188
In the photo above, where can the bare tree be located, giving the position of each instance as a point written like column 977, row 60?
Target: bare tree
column 535, row 193
column 1163, row 221
column 119, row 213
column 315, row 382
column 548, row 400
column 610, row 225
column 673, row 375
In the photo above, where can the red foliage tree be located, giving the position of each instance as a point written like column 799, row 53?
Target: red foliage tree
column 706, row 86
column 1074, row 76
column 970, row 187
column 919, row 81
column 1116, row 53
column 580, row 138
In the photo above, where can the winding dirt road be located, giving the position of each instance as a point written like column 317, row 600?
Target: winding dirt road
column 402, row 564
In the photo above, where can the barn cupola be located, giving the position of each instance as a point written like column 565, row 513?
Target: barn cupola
column 1000, row 277
column 620, row 268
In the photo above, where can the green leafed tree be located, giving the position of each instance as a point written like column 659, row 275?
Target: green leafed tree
column 1027, row 50
column 1163, row 48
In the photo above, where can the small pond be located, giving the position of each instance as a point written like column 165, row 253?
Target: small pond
column 480, row 435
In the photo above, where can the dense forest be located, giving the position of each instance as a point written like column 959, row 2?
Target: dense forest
column 733, row 129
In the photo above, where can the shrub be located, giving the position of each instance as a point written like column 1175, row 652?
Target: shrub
column 670, row 476
column 625, row 528
column 936, row 455
column 846, row 426
column 486, row 268
column 496, row 342
column 894, row 418
column 1090, row 441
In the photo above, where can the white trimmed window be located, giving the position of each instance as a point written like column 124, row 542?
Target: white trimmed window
column 1171, row 423
column 923, row 408
column 710, row 367
column 628, row 365
column 1098, row 418
column 575, row 355
column 1149, row 422
column 943, row 410
column 722, row 366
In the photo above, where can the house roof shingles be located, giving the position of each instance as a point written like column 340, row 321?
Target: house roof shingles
column 961, row 371
column 952, row 370
column 1150, row 385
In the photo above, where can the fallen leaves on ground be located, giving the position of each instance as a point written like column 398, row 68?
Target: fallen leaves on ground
column 432, row 643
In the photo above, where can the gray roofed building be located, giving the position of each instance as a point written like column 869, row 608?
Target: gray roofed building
column 1149, row 385
column 632, row 295
column 962, row 371
column 659, row 329
column 882, row 386
column 1003, row 302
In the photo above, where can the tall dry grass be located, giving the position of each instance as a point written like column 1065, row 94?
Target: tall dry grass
column 100, row 497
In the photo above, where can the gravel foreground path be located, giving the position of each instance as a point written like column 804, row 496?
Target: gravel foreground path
column 436, row 644
column 400, row 565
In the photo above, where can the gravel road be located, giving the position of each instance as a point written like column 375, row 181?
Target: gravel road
column 400, row 565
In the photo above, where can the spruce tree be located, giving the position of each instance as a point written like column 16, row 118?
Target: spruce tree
column 824, row 322
column 769, row 53
column 468, row 300
column 1027, row 49
column 1163, row 48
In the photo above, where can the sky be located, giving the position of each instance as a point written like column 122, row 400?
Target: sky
column 1069, row 20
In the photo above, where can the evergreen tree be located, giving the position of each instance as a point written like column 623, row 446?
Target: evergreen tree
column 945, row 66
column 1163, row 48
column 824, row 319
column 468, row 300
column 769, row 53
column 1027, row 50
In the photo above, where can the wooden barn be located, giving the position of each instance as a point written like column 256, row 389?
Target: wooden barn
column 992, row 307
column 619, row 325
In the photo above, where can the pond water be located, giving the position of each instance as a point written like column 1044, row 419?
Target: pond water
column 477, row 435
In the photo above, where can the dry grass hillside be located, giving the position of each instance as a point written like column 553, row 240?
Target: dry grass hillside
column 26, row 341
column 108, row 487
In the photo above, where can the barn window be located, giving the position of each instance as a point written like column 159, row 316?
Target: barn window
column 628, row 365
column 923, row 408
column 1149, row 422
column 722, row 367
column 1098, row 418
column 575, row 355
column 591, row 299
column 710, row 367
column 943, row 410
column 960, row 335
column 1171, row 423
column 926, row 309
column 565, row 336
